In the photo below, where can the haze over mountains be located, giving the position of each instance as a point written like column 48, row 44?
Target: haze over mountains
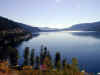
column 6, row 24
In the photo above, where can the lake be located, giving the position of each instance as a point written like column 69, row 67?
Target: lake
column 85, row 46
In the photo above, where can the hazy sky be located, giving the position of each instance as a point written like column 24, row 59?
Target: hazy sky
column 51, row 13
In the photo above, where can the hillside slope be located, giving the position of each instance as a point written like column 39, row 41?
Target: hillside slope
column 6, row 24
column 95, row 26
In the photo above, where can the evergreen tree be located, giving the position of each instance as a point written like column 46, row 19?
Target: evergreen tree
column 41, row 54
column 37, row 62
column 32, row 57
column 64, row 64
column 49, row 56
column 26, row 56
column 45, row 51
column 75, row 65
column 74, row 61
column 58, row 61
column 42, row 48
column 48, row 61
column 13, row 56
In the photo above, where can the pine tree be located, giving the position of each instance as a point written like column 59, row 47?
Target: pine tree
column 75, row 65
column 64, row 64
column 26, row 56
column 58, row 61
column 41, row 54
column 74, row 61
column 48, row 61
column 37, row 62
column 13, row 56
column 45, row 51
column 32, row 57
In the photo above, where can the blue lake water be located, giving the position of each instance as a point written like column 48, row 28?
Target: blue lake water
column 85, row 46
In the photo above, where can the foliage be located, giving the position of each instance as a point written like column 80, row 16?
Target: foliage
column 32, row 57
column 63, row 68
column 37, row 62
column 13, row 55
column 26, row 56
column 58, row 61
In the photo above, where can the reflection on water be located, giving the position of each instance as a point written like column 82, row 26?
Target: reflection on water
column 83, row 45
column 93, row 34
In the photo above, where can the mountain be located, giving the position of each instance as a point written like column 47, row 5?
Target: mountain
column 29, row 28
column 47, row 29
column 95, row 26
column 6, row 24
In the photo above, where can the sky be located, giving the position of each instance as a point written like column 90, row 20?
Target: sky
column 51, row 13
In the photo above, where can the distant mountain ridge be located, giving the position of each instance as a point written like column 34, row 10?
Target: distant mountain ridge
column 6, row 24
column 47, row 29
column 95, row 26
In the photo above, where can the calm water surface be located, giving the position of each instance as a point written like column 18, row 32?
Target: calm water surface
column 85, row 46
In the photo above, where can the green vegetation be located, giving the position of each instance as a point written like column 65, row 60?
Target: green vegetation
column 26, row 56
column 11, row 38
column 32, row 57
column 58, row 61
column 13, row 56
column 40, row 65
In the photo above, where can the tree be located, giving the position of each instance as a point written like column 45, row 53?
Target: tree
column 75, row 65
column 13, row 56
column 58, row 61
column 26, row 56
column 48, row 61
column 74, row 61
column 42, row 48
column 41, row 54
column 45, row 51
column 50, row 65
column 64, row 64
column 37, row 62
column 49, row 56
column 32, row 57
